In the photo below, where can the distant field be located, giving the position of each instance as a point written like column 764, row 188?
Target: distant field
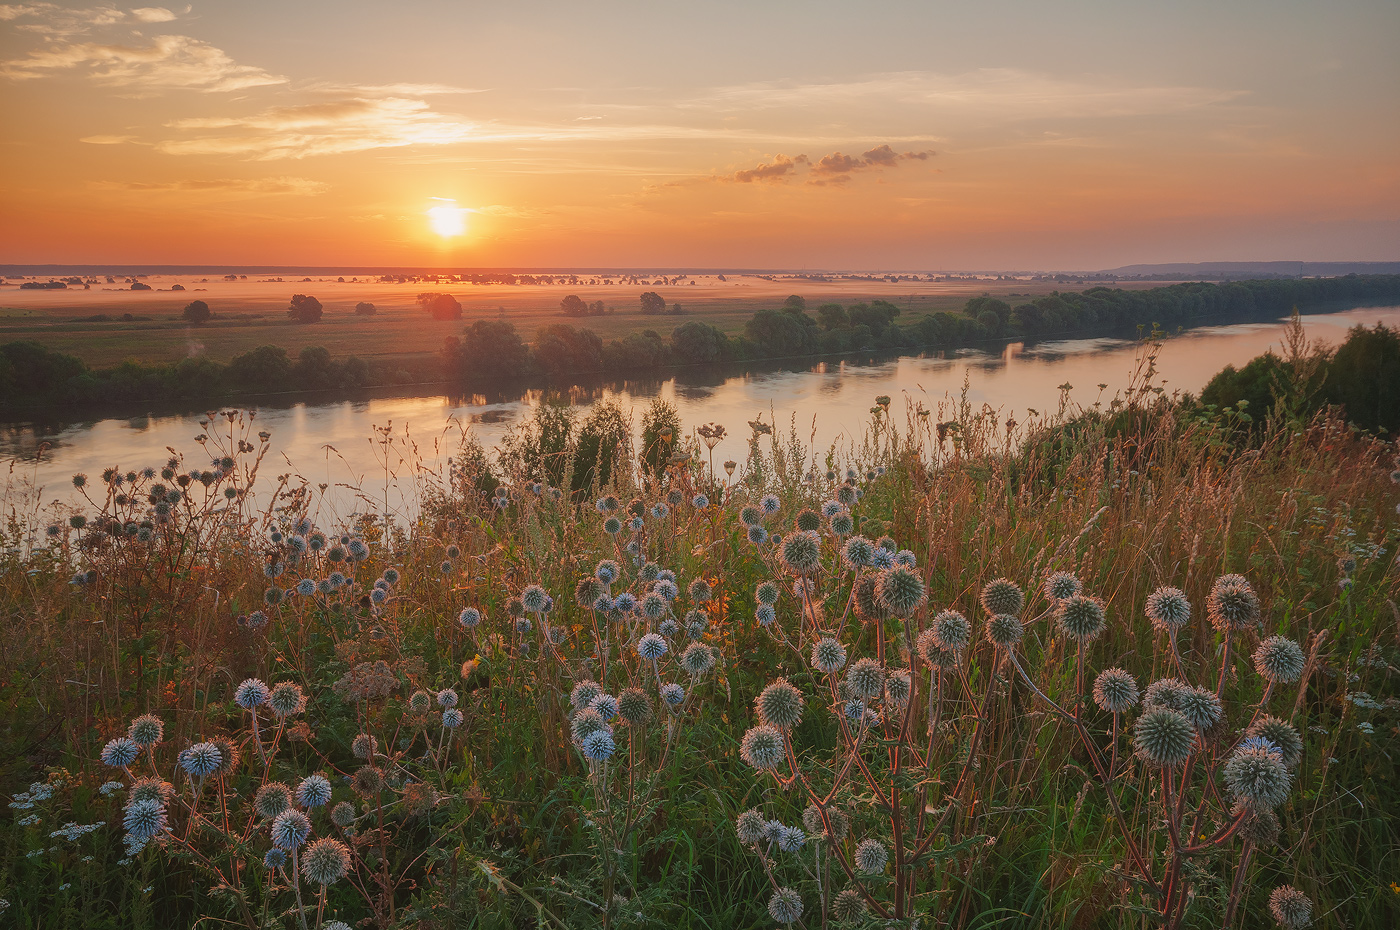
column 253, row 313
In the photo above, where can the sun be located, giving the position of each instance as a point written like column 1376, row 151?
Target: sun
column 447, row 219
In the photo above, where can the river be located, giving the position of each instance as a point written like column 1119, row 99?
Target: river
column 336, row 443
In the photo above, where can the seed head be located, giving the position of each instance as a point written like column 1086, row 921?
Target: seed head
column 865, row 678
column 1282, row 735
column 326, row 862
column 898, row 686
column 1232, row 604
column 1201, row 707
column 1260, row 825
column 828, row 656
column 1290, row 907
column 1279, row 660
column 120, row 752
column 697, row 659
column 1061, row 586
column 1257, row 776
column 762, row 747
column 699, row 591
column 1002, row 596
column 901, row 590
column 791, row 839
column 1004, row 630
column 751, row 828
column 286, row 699
column 1081, row 618
column 420, row 701
column 871, row 857
column 290, row 829
column 842, row 524
column 272, row 799
column 780, row 705
column 848, row 907
column 274, row 858
column 1165, row 692
column 1163, row 738
column 533, row 599
column 785, row 906
column 633, row 706
column 146, row 730
column 1115, row 690
column 1168, row 609
column 951, row 630
column 598, row 746
column 343, row 814
column 672, row 694
column 151, row 789
column 368, row 781
column 585, row 723
column 809, row 521
column 931, row 648
column 857, row 552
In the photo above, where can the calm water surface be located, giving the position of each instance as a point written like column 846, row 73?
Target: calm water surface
column 337, row 444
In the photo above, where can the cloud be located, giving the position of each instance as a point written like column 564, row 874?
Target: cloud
column 152, row 14
column 334, row 127
column 281, row 185
column 837, row 168
column 52, row 20
column 775, row 170
column 168, row 62
column 107, row 140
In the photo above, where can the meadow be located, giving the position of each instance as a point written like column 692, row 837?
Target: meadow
column 1118, row 667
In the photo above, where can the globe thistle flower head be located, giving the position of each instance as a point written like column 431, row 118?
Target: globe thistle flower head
column 651, row 647
column 1165, row 692
column 868, row 604
column 780, row 705
column 1232, row 604
column 120, row 752
column 812, row 821
column 857, row 552
column 533, row 599
column 898, row 687
column 751, row 828
column 314, row 791
column 792, row 839
column 1168, row 609
column 1290, row 907
column 659, row 510
column 757, row 535
column 842, row 524
column 586, row 722
column 274, row 859
column 785, row 906
column 201, row 760
column 1281, row 734
column 848, row 907
column 364, row 746
column 146, row 730
column 770, row 504
column 828, row 656
column 286, row 699
column 368, row 781
column 1115, row 690
column 598, row 746
column 523, row 625
column 871, row 857
column 379, row 595
column 451, row 718
column 605, row 705
column 1061, row 586
column 588, row 590
column 144, row 819
column 697, row 659
column 343, row 814
column 1279, row 660
column 289, row 829
column 1003, row 596
column 951, row 631
column 847, row 495
column 1081, row 618
column 832, row 508
column 881, row 558
column 391, row 576
column 673, row 694
column 625, row 603
column 653, row 606
column 272, row 799
column 766, row 593
column 420, row 702
column 633, row 706
column 358, row 550
column 469, row 618
column 1256, row 775
column 326, row 861
column 1004, row 630
column 931, row 649
column 699, row 502
column 865, row 678
column 762, row 747
column 901, row 590
column 1163, row 738
column 1201, row 707
column 667, row 589
column 699, row 591
column 800, row 553
column 612, row 526
column 750, row 516
column 607, row 571
column 1259, row 827
column 765, row 614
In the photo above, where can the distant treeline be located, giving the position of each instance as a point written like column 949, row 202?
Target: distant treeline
column 490, row 351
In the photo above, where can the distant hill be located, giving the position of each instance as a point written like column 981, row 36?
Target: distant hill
column 1254, row 269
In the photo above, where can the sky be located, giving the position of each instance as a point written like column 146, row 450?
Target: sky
column 879, row 135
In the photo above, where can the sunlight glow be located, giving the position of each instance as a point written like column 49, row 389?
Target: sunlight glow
column 447, row 219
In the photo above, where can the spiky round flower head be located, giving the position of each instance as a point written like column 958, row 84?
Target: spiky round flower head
column 612, row 526
column 699, row 591
column 1081, row 618
column 1290, row 907
column 1232, row 604
column 653, row 606
column 765, row 614
column 585, row 722
column 848, row 907
column 1004, row 630
column 751, row 828
column 770, row 504
column 272, row 799
column 1282, row 735
column 368, row 781
column 286, row 699
column 314, row 791
column 598, row 746
column 1060, row 586
column 584, row 692
column 326, row 861
column 1165, row 692
column 881, row 558
column 780, row 705
column 250, row 694
column 667, row 589
column 447, row 698
column 791, row 839
column 588, row 590
column 868, row 604
column 857, row 552
column 1163, row 738
column 898, row 686
column 1256, row 775
column 750, row 515
column 762, row 747
column 120, row 752
column 523, row 625
column 379, row 595
column 1168, row 609
column 1259, row 827
column 901, row 590
column 201, row 760
column 144, row 819
column 651, row 647
column 951, row 630
column 931, row 649
column 697, row 659
column 306, row 587
column 865, row 678
column 151, row 789
column 785, row 906
column 843, row 524
column 275, row 859
column 808, row 521
column 828, row 656
column 800, row 553
column 1003, row 596
column 289, row 829
column 1201, row 707
column 533, row 599
column 1115, row 690
column 812, row 821
column 757, row 535
column 605, row 705
column 146, row 730
column 1279, row 660
column 420, row 701
column 871, row 857
column 343, row 814
column 672, row 694
column 633, row 706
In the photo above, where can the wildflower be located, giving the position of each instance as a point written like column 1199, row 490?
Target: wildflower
column 699, row 502
column 306, row 587
column 1115, row 690
column 762, row 747
column 951, row 630
column 1257, row 776
column 598, row 746
column 1081, row 618
column 847, row 495
column 1004, row 630
column 1260, row 826
column 586, row 722
column 144, row 819
column 151, row 789
column 633, row 706
column 780, row 705
column 379, row 595
column 1282, row 735
column 120, row 752
column 898, row 686
column 785, row 906
column 364, row 746
column 605, row 705
column 871, row 857
column 290, row 829
column 697, row 659
column 765, row 614
column 757, row 535
column 523, row 625
column 326, row 861
column 274, row 859
column 612, row 526
column 343, row 814
column 866, row 678
column 666, row 588
column 770, row 504
column 672, row 693
column 447, row 698
column 1168, row 609
column 1279, row 660
column 286, row 699
column 314, row 791
column 1165, row 692
column 368, row 781
column 1163, row 737
column 659, row 510
column 808, row 521
column 651, row 647
column 800, row 553
column 700, row 591
column 842, row 524
column 420, row 701
column 625, row 603
column 766, row 593
column 901, row 590
column 750, row 827
column 274, row 596
column 1061, row 586
column 146, row 730
column 868, row 604
column 201, row 759
column 792, row 839
column 828, row 656
column 931, row 648
column 358, row 550
column 1290, row 907
column 653, row 606
column 469, row 617
column 533, row 599
column 584, row 693
column 1201, row 707
column 881, row 558
column 1001, row 596
column 272, row 799
column 849, row 906
column 1232, row 604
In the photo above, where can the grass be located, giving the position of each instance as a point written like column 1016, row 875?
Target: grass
column 526, row 832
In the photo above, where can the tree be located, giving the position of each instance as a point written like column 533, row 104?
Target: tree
column 795, row 302
column 661, row 433
column 265, row 368
column 441, row 306
column 832, row 316
column 562, row 350
column 489, row 349
column 653, row 303
column 697, row 343
column 196, row 311
column 573, row 305
column 602, row 445
column 780, row 333
column 305, row 309
column 1364, row 377
column 365, row 308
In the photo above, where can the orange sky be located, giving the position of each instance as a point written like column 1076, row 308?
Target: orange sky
column 888, row 135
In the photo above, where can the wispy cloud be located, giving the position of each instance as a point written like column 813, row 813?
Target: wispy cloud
column 780, row 167
column 168, row 62
column 835, row 168
column 279, row 185
column 52, row 20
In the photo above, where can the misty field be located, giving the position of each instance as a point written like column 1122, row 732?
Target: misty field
column 1131, row 668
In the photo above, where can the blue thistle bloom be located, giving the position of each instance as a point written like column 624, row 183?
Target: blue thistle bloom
column 523, row 625
column 605, row 705
column 336, row 578
column 144, row 819
column 659, row 510
column 905, row 559
column 275, row 858
column 625, row 602
column 636, row 524
column 120, row 752
column 201, row 759
column 667, row 589
column 607, row 571
column 380, row 584
column 765, row 614
column 604, row 604
column 612, row 526
column 832, row 508
column 358, row 550
column 651, row 647
column 290, row 829
column 469, row 617
column 770, row 504
column 672, row 694
column 451, row 718
column 598, row 746
column 447, row 698
column 534, row 599
column 699, row 502
column 792, row 839
column 881, row 558
column 306, row 587
column 654, row 606
column 669, row 627
column 314, row 791
column 379, row 595
column 391, row 575
column 324, row 587
column 757, row 535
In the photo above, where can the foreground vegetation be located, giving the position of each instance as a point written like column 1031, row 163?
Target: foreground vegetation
column 1105, row 668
